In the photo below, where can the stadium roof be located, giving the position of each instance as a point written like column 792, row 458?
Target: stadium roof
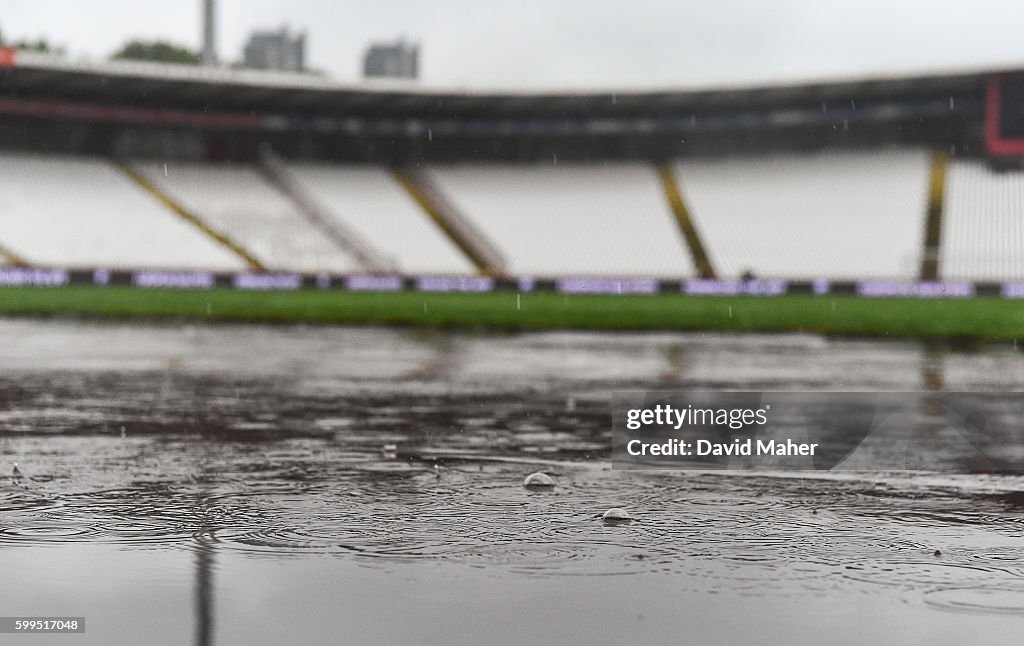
column 399, row 120
column 187, row 86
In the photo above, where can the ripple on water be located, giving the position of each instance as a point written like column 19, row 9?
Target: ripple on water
column 18, row 501
column 915, row 574
column 977, row 599
column 747, row 534
column 1000, row 556
column 40, row 532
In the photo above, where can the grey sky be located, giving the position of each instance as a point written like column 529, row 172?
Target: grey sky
column 574, row 43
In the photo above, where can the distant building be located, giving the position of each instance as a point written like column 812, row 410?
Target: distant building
column 392, row 60
column 276, row 50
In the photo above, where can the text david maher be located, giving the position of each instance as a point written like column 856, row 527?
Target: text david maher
column 707, row 447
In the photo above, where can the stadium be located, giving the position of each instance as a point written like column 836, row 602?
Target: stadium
column 183, row 178
column 299, row 360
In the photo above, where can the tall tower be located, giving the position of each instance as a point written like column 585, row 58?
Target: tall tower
column 209, row 56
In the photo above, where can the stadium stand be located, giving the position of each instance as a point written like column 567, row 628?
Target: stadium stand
column 834, row 215
column 823, row 215
column 370, row 201
column 234, row 200
column 799, row 181
column 571, row 219
column 984, row 234
column 79, row 211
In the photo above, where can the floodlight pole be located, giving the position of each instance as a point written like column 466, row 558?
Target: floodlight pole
column 209, row 55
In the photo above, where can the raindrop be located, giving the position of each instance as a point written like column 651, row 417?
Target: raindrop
column 430, row 134
column 538, row 480
column 616, row 516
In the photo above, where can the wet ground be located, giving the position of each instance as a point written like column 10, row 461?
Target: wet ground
column 251, row 485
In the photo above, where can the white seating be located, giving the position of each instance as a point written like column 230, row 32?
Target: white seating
column 811, row 216
column 838, row 216
column 236, row 201
column 80, row 211
column 571, row 219
column 983, row 233
column 370, row 201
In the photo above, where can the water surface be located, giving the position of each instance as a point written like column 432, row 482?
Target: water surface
column 249, row 484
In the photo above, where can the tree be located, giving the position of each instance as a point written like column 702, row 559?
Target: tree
column 159, row 51
column 38, row 45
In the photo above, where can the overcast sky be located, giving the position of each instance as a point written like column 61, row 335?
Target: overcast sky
column 572, row 43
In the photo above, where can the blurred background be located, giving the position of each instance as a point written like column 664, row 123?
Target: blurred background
column 662, row 140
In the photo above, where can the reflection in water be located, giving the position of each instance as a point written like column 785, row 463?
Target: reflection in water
column 204, row 585
column 932, row 366
column 675, row 357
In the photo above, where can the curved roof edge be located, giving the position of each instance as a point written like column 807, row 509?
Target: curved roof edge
column 271, row 80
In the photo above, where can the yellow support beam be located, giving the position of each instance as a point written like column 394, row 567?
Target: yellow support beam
column 674, row 196
column 175, row 207
column 470, row 241
column 933, row 217
column 12, row 258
